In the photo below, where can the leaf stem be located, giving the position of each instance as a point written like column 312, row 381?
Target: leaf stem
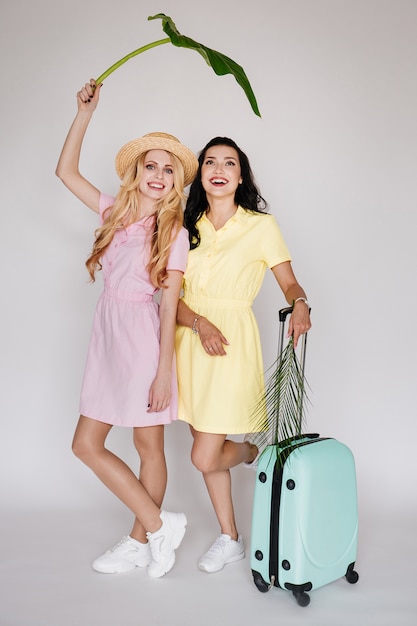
column 113, row 67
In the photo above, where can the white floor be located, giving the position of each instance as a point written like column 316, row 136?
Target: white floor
column 46, row 578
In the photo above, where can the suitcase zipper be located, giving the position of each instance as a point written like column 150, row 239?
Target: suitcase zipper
column 282, row 457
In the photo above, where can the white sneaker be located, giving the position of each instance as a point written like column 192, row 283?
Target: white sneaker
column 163, row 542
column 124, row 556
column 223, row 551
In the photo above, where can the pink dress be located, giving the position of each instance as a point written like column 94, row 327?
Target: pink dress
column 124, row 347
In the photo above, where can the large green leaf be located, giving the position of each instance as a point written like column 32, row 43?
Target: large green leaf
column 220, row 63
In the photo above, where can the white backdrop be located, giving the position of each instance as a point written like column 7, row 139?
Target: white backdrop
column 335, row 154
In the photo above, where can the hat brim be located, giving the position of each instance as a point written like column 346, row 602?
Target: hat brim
column 131, row 151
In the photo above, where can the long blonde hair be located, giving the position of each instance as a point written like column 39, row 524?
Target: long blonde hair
column 169, row 217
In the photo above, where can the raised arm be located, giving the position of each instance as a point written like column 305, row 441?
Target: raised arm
column 68, row 164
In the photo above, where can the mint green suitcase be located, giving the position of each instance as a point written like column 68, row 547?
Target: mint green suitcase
column 305, row 515
column 305, row 518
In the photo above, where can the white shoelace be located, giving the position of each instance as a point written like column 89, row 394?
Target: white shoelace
column 218, row 545
column 122, row 542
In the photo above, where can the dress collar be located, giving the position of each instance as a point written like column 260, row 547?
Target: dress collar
column 241, row 216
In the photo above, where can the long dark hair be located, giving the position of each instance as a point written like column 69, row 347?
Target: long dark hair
column 247, row 194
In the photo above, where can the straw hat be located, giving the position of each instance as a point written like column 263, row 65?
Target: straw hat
column 131, row 151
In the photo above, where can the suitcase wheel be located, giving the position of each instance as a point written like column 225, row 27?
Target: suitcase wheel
column 259, row 582
column 303, row 599
column 300, row 592
column 351, row 575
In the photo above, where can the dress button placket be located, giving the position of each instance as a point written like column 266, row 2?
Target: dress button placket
column 206, row 269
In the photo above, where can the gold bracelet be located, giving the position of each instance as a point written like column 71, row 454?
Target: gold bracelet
column 302, row 299
column 194, row 326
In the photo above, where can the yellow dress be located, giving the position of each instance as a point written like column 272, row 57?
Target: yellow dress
column 223, row 276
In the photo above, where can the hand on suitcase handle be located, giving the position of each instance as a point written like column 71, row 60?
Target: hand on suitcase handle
column 298, row 327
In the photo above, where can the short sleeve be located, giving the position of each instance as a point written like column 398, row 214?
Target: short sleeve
column 179, row 252
column 274, row 248
column 104, row 203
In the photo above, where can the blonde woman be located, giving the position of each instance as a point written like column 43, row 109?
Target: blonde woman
column 129, row 380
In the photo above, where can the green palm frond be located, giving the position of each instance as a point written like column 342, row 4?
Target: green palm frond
column 279, row 414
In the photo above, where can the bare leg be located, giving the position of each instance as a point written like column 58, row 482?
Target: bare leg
column 212, row 452
column 219, row 488
column 88, row 445
column 149, row 442
column 214, row 455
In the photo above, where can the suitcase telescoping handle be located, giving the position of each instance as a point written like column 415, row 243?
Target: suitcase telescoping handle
column 283, row 314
